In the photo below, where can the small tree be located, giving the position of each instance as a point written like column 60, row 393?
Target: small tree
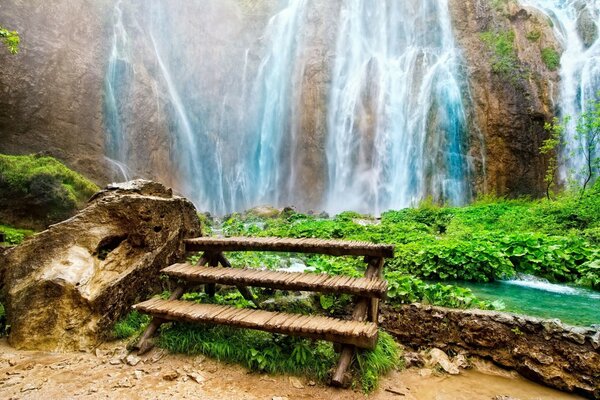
column 588, row 136
column 10, row 39
column 551, row 147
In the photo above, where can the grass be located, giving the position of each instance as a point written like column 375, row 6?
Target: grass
column 133, row 324
column 278, row 354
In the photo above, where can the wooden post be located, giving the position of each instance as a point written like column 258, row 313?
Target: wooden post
column 360, row 312
column 213, row 261
column 246, row 293
column 144, row 345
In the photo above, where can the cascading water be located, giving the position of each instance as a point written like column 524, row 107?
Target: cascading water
column 397, row 121
column 119, row 70
column 233, row 115
column 577, row 26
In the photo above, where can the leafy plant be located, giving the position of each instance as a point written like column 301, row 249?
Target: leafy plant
column 550, row 147
column 504, row 55
column 588, row 136
column 14, row 236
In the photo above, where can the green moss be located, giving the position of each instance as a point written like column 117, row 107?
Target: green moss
column 551, row 58
column 14, row 236
column 534, row 35
column 501, row 44
column 41, row 187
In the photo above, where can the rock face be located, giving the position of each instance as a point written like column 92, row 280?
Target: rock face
column 512, row 100
column 52, row 89
column 65, row 287
column 563, row 357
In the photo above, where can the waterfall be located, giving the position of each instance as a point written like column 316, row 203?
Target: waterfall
column 119, row 70
column 227, row 120
column 277, row 97
column 579, row 68
column 397, row 123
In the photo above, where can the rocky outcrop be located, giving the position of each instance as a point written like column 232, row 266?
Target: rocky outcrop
column 512, row 90
column 52, row 89
column 64, row 288
column 563, row 357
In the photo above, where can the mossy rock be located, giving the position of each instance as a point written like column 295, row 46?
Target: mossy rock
column 37, row 190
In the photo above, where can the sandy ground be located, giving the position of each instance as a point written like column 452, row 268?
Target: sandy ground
column 106, row 374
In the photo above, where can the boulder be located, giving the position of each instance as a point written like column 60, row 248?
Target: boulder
column 65, row 287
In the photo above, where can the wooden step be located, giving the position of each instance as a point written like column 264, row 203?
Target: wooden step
column 321, row 283
column 359, row 334
column 318, row 246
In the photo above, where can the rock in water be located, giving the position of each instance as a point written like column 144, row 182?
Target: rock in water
column 66, row 287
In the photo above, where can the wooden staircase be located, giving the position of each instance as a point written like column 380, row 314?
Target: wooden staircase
column 361, row 331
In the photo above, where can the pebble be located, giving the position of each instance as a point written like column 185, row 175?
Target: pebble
column 171, row 376
column 132, row 360
column 279, row 398
column 28, row 387
column 114, row 361
column 296, row 383
column 138, row 374
column 196, row 377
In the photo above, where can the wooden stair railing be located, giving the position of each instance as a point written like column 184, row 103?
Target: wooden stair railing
column 361, row 331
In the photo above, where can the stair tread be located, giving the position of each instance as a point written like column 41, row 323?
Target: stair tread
column 360, row 334
column 306, row 245
column 322, row 283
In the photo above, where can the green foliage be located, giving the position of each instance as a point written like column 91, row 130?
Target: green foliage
column 132, row 324
column 372, row 364
column 504, row 55
column 10, row 39
column 277, row 354
column 406, row 289
column 488, row 240
column 550, row 147
column 588, row 137
column 43, row 184
column 14, row 236
column 551, row 58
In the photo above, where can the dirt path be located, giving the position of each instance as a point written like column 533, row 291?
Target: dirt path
column 103, row 375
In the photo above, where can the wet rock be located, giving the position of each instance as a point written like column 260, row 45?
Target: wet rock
column 413, row 360
column 66, row 287
column 264, row 212
column 509, row 108
column 586, row 27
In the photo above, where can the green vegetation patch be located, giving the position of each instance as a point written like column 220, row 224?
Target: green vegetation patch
column 14, row 236
column 502, row 46
column 132, row 324
column 279, row 354
column 11, row 39
column 41, row 187
column 551, row 58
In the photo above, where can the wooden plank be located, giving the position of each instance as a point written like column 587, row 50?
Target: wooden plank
column 359, row 334
column 359, row 314
column 318, row 246
column 364, row 287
